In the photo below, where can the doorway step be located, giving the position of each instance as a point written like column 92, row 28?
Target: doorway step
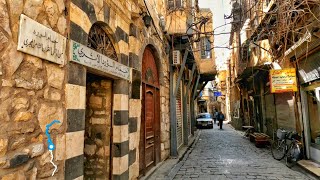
column 310, row 166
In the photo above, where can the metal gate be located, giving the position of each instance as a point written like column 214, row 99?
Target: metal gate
column 179, row 116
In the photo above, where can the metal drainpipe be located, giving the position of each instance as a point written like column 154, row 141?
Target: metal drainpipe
column 173, row 120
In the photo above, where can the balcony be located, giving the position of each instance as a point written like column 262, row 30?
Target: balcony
column 176, row 23
column 178, row 16
column 203, row 54
column 260, row 18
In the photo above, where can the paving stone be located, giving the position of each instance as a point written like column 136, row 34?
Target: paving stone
column 225, row 154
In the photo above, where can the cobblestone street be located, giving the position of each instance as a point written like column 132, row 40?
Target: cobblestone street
column 225, row 154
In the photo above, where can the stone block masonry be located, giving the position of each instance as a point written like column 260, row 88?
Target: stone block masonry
column 34, row 91
column 98, row 128
column 75, row 92
column 134, row 136
column 31, row 95
column 120, row 146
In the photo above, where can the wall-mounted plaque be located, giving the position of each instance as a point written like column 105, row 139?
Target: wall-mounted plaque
column 88, row 57
column 38, row 40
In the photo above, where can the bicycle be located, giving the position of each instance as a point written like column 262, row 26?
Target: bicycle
column 287, row 144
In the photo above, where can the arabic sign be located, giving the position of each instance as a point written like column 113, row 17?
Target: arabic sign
column 283, row 80
column 90, row 58
column 40, row 41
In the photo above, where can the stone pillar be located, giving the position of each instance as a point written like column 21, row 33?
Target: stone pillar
column 74, row 137
column 134, row 135
column 134, row 124
column 120, row 146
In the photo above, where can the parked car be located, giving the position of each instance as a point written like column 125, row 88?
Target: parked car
column 204, row 120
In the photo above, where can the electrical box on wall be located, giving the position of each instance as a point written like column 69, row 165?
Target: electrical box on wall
column 176, row 57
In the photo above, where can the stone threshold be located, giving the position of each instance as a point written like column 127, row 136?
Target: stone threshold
column 310, row 166
column 166, row 168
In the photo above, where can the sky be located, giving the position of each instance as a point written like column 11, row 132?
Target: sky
column 219, row 8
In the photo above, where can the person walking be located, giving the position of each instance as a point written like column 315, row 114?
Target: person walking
column 215, row 116
column 220, row 119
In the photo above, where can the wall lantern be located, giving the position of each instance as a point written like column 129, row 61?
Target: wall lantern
column 146, row 19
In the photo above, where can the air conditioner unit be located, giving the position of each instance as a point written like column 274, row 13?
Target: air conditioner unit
column 176, row 57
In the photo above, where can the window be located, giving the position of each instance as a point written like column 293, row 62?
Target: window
column 173, row 4
column 99, row 41
column 205, row 48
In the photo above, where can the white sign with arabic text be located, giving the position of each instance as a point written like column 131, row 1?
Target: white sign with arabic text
column 90, row 58
column 38, row 40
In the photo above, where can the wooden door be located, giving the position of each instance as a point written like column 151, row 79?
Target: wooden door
column 149, row 147
column 150, row 129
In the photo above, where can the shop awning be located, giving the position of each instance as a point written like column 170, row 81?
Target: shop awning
column 309, row 68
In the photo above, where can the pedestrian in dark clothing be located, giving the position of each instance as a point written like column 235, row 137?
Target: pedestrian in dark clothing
column 220, row 118
column 215, row 116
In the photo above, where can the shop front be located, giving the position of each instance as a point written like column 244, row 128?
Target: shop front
column 309, row 77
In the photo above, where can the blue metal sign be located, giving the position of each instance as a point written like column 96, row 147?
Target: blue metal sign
column 217, row 93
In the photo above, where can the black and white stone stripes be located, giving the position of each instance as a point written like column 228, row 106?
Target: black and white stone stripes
column 121, row 130
column 75, row 105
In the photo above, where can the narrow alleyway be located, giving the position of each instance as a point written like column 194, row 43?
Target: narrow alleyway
column 225, row 154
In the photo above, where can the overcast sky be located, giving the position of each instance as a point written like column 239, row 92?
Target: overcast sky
column 219, row 8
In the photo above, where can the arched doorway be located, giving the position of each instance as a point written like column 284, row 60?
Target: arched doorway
column 150, row 115
column 98, row 116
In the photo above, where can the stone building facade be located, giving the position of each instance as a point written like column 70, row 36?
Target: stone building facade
column 104, row 72
column 100, row 113
column 291, row 45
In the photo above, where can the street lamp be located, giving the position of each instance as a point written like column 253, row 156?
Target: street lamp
column 146, row 19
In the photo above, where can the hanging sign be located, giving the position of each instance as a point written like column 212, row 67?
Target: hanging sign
column 283, row 80
column 90, row 58
column 38, row 40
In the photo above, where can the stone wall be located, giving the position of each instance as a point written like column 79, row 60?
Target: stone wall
column 31, row 95
column 165, row 118
column 34, row 91
column 98, row 128
column 139, row 38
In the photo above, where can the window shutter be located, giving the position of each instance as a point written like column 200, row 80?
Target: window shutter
column 208, row 46
column 202, row 46
column 205, row 48
column 178, row 3
column 170, row 4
